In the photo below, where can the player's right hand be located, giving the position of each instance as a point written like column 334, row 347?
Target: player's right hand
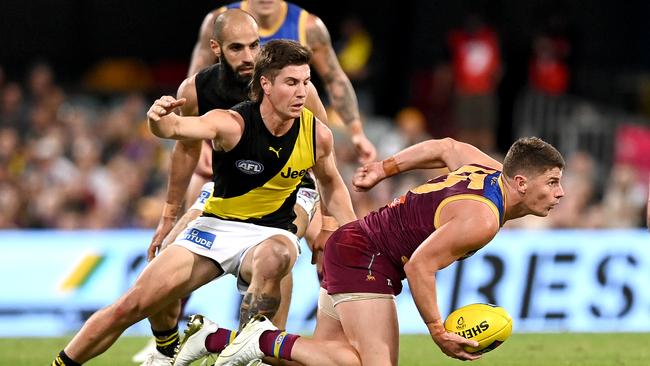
column 165, row 225
column 452, row 344
column 163, row 106
column 368, row 176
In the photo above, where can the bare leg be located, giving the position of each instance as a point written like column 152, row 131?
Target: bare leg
column 183, row 271
column 167, row 318
column 286, row 287
column 264, row 267
column 372, row 329
column 329, row 346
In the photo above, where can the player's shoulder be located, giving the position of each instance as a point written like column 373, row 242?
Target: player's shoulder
column 316, row 30
column 313, row 21
column 187, row 89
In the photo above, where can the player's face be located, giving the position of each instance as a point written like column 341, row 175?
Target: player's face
column 239, row 48
column 288, row 91
column 264, row 7
column 544, row 192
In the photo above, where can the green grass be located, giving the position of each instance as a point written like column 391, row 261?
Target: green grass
column 574, row 349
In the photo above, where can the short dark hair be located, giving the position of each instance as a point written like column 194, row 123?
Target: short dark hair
column 276, row 55
column 531, row 156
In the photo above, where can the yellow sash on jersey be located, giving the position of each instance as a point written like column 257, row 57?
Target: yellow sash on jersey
column 269, row 197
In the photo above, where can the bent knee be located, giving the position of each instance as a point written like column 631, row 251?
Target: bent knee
column 273, row 260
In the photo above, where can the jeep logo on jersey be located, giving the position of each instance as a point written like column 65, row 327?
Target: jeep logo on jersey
column 249, row 166
column 293, row 173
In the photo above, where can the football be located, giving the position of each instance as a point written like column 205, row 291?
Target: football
column 489, row 325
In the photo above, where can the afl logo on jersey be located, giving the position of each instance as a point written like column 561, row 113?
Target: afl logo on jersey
column 249, row 166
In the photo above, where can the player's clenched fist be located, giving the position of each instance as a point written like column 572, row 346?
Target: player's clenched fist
column 367, row 176
column 163, row 106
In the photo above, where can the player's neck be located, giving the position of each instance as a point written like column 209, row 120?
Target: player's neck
column 513, row 202
column 276, row 122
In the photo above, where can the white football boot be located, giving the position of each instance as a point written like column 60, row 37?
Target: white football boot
column 245, row 348
column 192, row 347
column 156, row 358
column 143, row 354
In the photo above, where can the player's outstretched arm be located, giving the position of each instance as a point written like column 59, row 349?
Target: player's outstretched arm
column 428, row 154
column 466, row 226
column 217, row 124
column 338, row 85
column 184, row 158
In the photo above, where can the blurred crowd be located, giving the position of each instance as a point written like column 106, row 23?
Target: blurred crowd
column 74, row 159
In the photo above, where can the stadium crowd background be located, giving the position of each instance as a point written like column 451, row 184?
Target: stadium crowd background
column 75, row 152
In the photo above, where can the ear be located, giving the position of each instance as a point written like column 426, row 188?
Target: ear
column 216, row 49
column 266, row 84
column 521, row 184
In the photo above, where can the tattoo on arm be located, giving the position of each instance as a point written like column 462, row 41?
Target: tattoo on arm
column 254, row 304
column 339, row 87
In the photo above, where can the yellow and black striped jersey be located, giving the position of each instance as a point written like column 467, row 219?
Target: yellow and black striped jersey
column 256, row 181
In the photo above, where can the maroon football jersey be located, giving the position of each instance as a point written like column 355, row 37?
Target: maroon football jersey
column 398, row 228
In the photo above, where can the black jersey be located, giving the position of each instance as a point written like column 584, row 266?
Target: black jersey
column 215, row 91
column 256, row 181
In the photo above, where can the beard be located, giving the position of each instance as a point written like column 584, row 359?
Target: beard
column 232, row 86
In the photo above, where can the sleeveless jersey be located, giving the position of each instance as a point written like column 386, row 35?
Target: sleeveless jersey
column 398, row 228
column 209, row 94
column 290, row 26
column 257, row 180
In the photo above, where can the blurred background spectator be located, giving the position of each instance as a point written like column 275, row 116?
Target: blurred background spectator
column 476, row 63
column 75, row 151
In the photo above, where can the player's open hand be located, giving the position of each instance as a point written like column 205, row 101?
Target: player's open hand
column 368, row 176
column 366, row 151
column 163, row 106
column 452, row 344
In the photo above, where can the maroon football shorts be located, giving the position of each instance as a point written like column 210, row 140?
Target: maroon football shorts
column 353, row 264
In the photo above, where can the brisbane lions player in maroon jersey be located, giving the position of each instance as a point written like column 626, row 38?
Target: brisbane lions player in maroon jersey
column 446, row 219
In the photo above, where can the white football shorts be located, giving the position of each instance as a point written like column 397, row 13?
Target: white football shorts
column 227, row 242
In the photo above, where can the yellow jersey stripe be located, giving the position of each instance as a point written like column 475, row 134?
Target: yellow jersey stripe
column 302, row 28
column 491, row 205
column 269, row 197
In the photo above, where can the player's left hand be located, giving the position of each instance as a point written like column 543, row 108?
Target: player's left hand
column 366, row 151
column 368, row 176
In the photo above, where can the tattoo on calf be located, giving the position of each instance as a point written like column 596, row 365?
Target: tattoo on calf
column 254, row 304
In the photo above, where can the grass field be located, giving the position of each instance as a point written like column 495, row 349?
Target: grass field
column 574, row 349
